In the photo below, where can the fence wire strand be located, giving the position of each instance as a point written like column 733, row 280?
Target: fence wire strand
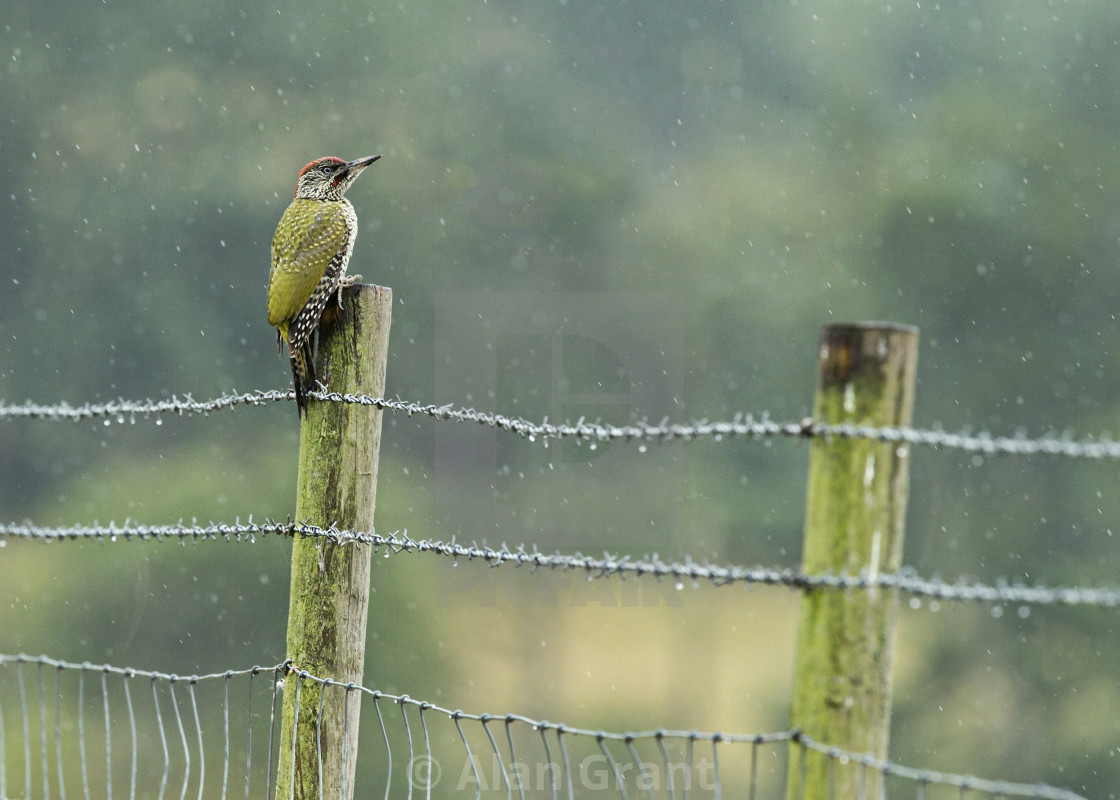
column 684, row 573
column 741, row 426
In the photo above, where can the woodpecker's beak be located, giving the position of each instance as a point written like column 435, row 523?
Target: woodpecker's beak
column 358, row 164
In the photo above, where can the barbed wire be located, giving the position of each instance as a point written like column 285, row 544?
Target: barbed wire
column 113, row 532
column 128, row 410
column 687, row 572
column 741, row 426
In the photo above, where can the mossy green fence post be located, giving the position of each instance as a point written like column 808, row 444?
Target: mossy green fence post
column 327, row 611
column 854, row 523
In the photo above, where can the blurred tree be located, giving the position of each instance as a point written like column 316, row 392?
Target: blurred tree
column 770, row 166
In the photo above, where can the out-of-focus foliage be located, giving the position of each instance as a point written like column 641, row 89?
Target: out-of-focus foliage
column 746, row 170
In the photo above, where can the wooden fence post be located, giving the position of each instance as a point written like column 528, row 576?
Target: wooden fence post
column 854, row 523
column 339, row 446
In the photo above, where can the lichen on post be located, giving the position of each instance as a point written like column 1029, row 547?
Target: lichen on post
column 854, row 524
column 328, row 606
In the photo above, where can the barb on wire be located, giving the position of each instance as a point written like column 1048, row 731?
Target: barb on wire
column 741, row 426
column 686, row 572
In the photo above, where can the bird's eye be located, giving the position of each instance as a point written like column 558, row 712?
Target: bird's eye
column 327, row 169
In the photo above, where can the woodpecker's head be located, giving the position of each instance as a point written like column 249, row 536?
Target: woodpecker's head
column 329, row 178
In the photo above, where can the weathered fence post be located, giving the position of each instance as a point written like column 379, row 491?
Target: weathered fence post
column 339, row 446
column 854, row 523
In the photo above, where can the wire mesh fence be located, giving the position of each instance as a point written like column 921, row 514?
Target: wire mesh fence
column 84, row 730
column 80, row 730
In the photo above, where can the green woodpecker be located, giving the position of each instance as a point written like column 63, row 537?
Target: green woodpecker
column 310, row 251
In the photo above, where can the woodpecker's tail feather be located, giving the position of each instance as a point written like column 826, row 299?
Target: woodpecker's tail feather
column 303, row 374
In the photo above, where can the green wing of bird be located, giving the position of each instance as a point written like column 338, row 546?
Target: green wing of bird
column 309, row 235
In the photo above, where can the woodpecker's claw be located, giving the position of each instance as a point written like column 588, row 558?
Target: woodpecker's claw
column 347, row 280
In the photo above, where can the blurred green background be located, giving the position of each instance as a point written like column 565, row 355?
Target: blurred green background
column 726, row 177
